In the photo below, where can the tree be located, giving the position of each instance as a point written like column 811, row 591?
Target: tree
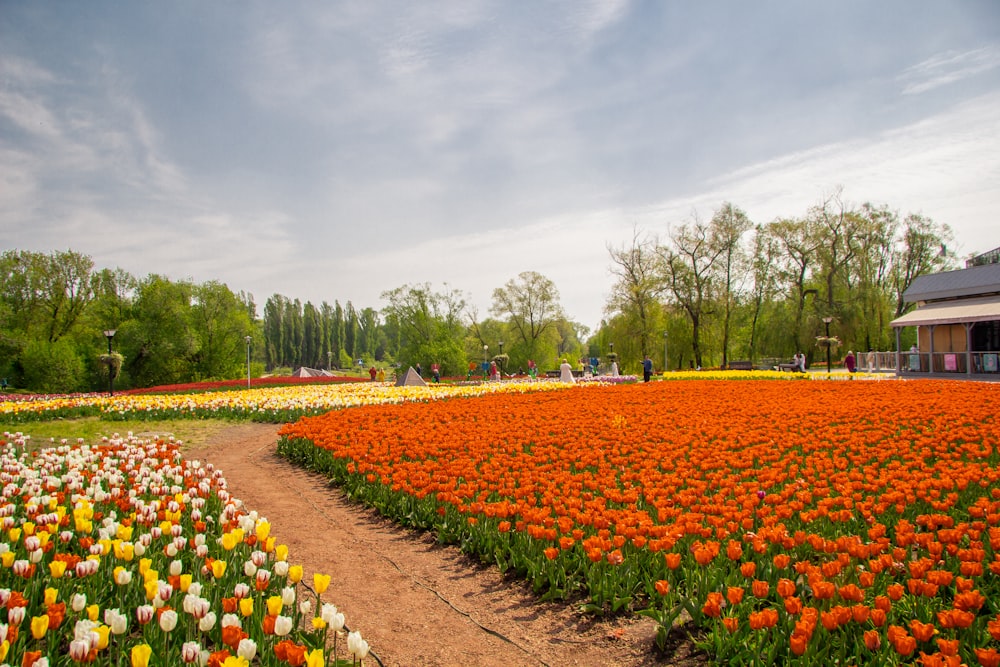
column 529, row 304
column 634, row 294
column 158, row 343
column 688, row 264
column 728, row 226
column 924, row 250
column 428, row 325
column 799, row 242
column 220, row 324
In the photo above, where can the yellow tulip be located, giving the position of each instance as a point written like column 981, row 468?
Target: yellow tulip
column 315, row 658
column 263, row 529
column 140, row 655
column 321, row 582
column 150, row 575
column 29, row 528
column 93, row 611
column 318, row 623
column 43, row 538
column 235, row 661
column 246, row 606
column 152, row 589
column 39, row 626
column 165, row 527
column 4, row 649
column 144, row 564
column 230, row 540
column 7, row 558
column 269, row 545
column 274, row 605
column 14, row 534
column 124, row 533
column 103, row 632
column 295, row 574
column 218, row 568
column 57, row 568
column 51, row 596
column 185, row 582
column 105, row 547
column 281, row 552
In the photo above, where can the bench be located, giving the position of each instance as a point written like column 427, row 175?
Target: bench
column 740, row 365
column 789, row 367
column 555, row 374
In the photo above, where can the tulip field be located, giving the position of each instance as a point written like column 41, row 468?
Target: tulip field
column 777, row 522
column 780, row 522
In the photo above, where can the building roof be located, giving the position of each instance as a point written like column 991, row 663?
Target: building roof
column 983, row 309
column 972, row 282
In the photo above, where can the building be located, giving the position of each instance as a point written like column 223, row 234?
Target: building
column 957, row 316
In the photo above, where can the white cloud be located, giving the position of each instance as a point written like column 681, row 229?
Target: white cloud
column 949, row 67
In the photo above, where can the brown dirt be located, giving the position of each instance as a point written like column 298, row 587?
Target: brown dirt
column 414, row 601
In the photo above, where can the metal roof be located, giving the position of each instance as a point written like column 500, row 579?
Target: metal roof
column 985, row 309
column 970, row 282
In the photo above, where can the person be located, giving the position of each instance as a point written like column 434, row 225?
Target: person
column 871, row 360
column 494, row 371
column 436, row 372
column 614, row 369
column 647, row 369
column 566, row 372
column 800, row 358
column 381, row 375
column 532, row 369
column 419, row 371
column 372, row 372
column 849, row 362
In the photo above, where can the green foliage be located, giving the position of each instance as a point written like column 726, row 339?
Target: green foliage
column 52, row 367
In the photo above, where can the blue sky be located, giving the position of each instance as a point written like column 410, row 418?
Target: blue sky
column 336, row 150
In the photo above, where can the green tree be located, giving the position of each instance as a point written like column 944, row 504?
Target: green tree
column 159, row 343
column 220, row 324
column 635, row 296
column 429, row 326
column 53, row 368
column 529, row 304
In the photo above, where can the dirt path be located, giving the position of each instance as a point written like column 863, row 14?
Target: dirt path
column 415, row 602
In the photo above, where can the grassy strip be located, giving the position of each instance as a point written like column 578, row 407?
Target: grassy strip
column 191, row 432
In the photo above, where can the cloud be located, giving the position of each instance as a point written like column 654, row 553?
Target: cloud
column 948, row 67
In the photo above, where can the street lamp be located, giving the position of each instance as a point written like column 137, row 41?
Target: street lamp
column 501, row 360
column 109, row 334
column 248, row 339
column 826, row 321
column 666, row 359
column 486, row 361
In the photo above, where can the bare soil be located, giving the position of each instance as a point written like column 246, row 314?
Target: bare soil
column 417, row 602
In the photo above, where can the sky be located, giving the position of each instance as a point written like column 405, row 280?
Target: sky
column 337, row 150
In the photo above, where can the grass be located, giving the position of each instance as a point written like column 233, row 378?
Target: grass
column 190, row 431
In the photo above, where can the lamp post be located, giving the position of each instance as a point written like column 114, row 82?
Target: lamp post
column 248, row 339
column 486, row 361
column 666, row 359
column 109, row 334
column 501, row 360
column 826, row 321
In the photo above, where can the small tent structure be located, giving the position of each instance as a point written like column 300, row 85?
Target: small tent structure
column 304, row 372
column 410, row 379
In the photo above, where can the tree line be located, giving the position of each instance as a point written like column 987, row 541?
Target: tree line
column 702, row 294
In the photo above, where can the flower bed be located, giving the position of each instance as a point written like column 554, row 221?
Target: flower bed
column 123, row 553
column 788, row 522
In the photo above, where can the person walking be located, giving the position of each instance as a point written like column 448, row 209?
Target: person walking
column 566, row 372
column 647, row 369
column 372, row 372
column 849, row 362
